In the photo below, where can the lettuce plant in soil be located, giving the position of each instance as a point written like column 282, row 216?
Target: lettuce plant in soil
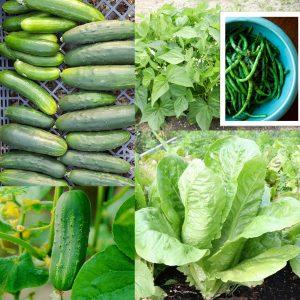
column 177, row 63
column 215, row 219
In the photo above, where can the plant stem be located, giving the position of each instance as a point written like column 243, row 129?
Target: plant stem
column 116, row 197
column 100, row 198
column 42, row 228
column 30, row 249
column 57, row 193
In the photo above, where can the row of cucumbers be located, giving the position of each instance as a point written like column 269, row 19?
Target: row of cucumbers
column 92, row 126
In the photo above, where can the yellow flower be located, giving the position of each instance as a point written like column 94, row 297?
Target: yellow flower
column 10, row 210
column 26, row 234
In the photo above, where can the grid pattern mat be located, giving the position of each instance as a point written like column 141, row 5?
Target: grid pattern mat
column 112, row 9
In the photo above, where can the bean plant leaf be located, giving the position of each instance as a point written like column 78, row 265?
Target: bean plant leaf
column 187, row 32
column 123, row 227
column 295, row 262
column 157, row 242
column 174, row 56
column 160, row 87
column 19, row 272
column 106, row 275
column 178, row 75
column 181, row 104
column 204, row 117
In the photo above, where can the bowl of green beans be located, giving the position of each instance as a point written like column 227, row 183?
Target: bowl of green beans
column 261, row 70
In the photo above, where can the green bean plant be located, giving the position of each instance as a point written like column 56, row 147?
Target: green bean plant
column 27, row 233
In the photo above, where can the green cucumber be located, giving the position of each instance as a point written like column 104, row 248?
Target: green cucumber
column 29, row 116
column 84, row 100
column 70, row 9
column 109, row 53
column 100, row 78
column 14, row 23
column 23, row 137
column 93, row 178
column 51, row 61
column 30, row 90
column 31, row 45
column 99, row 32
column 36, row 73
column 95, row 161
column 72, row 226
column 97, row 141
column 27, row 178
column 47, row 25
column 12, row 7
column 95, row 119
column 33, row 162
column 36, row 36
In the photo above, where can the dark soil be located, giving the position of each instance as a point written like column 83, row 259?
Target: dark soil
column 284, row 285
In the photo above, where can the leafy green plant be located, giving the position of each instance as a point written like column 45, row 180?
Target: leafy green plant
column 215, row 218
column 27, row 231
column 177, row 63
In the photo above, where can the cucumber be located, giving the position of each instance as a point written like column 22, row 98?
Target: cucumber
column 37, row 36
column 27, row 178
column 29, row 116
column 31, row 45
column 95, row 119
column 23, row 137
column 51, row 61
column 36, row 73
column 93, row 178
column 84, row 100
column 70, row 9
column 46, row 25
column 72, row 226
column 30, row 90
column 14, row 23
column 97, row 141
column 95, row 161
column 12, row 7
column 99, row 32
column 33, row 162
column 100, row 78
column 109, row 53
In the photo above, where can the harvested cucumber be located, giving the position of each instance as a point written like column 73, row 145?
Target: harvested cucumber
column 14, row 23
column 93, row 178
column 70, row 9
column 29, row 116
column 46, row 25
column 33, row 162
column 31, row 45
column 51, row 61
column 97, row 141
column 12, row 7
column 71, row 234
column 99, row 32
column 36, row 73
column 23, row 137
column 84, row 100
column 95, row 119
column 100, row 78
column 29, row 89
column 95, row 161
column 109, row 53
column 27, row 178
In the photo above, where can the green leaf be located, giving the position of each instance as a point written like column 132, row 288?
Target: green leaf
column 261, row 266
column 202, row 195
column 106, row 275
column 160, row 87
column 214, row 102
column 5, row 227
column 156, row 241
column 141, row 97
column 123, row 227
column 187, row 32
column 181, row 104
column 140, row 198
column 215, row 33
column 204, row 117
column 178, row 75
column 19, row 272
column 173, row 56
column 169, row 170
column 295, row 262
column 148, row 76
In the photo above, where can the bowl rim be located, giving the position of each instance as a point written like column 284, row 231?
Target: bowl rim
column 293, row 57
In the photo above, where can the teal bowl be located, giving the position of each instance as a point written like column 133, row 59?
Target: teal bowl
column 276, row 108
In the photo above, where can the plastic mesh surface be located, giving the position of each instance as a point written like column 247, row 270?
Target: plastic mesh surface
column 112, row 9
